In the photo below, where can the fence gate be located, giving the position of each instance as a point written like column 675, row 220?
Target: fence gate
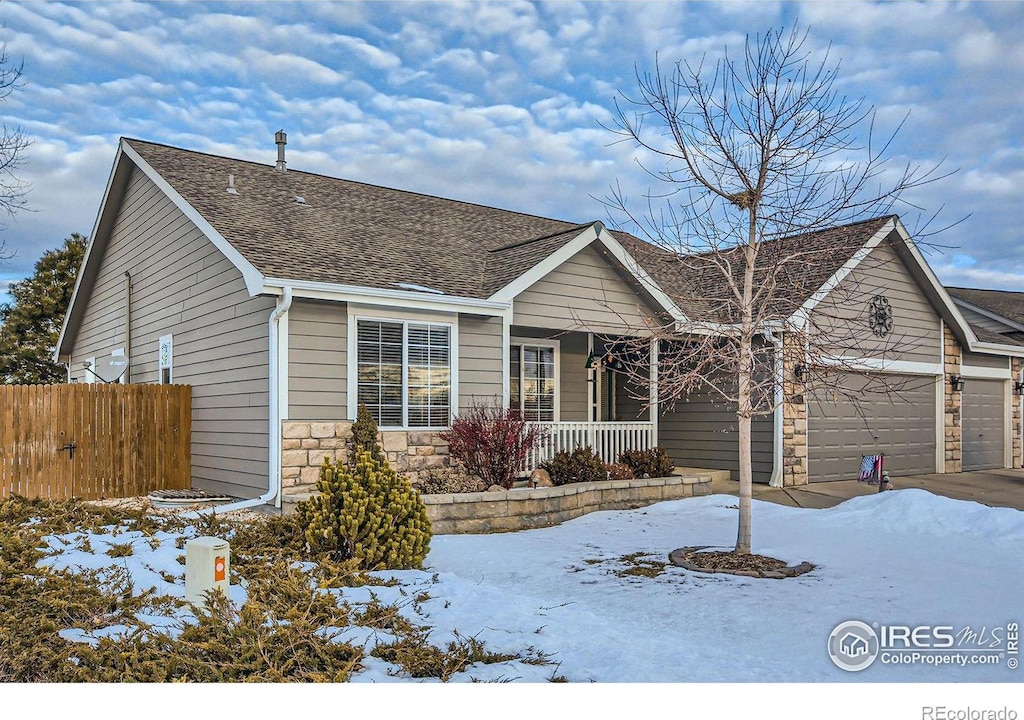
column 91, row 441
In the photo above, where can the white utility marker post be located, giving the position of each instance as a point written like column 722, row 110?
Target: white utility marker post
column 207, row 568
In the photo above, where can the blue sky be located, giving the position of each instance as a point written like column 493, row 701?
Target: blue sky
column 500, row 103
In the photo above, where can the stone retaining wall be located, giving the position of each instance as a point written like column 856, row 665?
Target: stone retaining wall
column 523, row 509
column 304, row 445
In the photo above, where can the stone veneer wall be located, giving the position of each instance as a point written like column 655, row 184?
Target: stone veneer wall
column 952, row 435
column 794, row 415
column 305, row 445
column 1016, row 418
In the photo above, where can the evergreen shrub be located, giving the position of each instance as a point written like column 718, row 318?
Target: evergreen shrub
column 580, row 465
column 648, row 463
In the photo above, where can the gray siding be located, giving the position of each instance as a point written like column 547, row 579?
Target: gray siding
column 843, row 315
column 182, row 285
column 702, row 433
column 573, row 386
column 317, row 356
column 584, row 293
column 630, row 401
column 1000, row 362
column 480, row 361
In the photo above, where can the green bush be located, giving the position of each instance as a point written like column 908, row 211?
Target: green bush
column 648, row 463
column 364, row 437
column 367, row 512
column 580, row 465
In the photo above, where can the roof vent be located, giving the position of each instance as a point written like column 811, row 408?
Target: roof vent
column 299, row 200
column 231, row 185
column 418, row 288
column 281, row 138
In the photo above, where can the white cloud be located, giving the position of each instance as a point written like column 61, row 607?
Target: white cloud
column 289, row 69
column 373, row 56
column 493, row 102
column 1008, row 185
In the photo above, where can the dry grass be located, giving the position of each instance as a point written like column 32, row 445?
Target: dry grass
column 288, row 630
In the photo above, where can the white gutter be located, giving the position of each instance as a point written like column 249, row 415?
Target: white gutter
column 776, row 478
column 273, row 494
column 385, row 296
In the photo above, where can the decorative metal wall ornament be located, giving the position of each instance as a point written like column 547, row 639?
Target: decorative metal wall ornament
column 880, row 316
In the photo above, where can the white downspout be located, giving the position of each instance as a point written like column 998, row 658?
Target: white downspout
column 273, row 494
column 776, row 477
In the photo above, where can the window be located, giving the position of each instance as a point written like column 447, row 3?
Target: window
column 165, row 357
column 403, row 372
column 532, row 380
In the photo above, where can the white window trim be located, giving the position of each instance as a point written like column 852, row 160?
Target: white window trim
column 556, row 346
column 453, row 366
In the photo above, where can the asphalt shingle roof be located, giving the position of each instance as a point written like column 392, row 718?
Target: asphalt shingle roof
column 701, row 289
column 353, row 233
column 1001, row 302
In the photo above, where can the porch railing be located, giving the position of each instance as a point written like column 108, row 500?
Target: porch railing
column 608, row 439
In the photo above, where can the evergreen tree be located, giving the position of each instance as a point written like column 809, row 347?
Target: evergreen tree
column 30, row 325
column 364, row 437
column 367, row 512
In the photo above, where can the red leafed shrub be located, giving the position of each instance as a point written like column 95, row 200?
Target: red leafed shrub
column 492, row 443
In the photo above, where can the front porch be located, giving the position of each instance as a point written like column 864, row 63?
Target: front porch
column 575, row 387
column 607, row 439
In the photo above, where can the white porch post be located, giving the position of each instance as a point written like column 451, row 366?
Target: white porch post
column 653, row 392
column 593, row 398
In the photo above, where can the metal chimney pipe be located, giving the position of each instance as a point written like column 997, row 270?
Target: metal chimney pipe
column 281, row 138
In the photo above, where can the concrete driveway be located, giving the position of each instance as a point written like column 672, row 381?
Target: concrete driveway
column 996, row 488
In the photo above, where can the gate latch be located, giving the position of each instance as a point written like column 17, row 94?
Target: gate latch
column 70, row 447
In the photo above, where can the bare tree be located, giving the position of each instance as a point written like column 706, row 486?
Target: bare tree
column 12, row 145
column 758, row 158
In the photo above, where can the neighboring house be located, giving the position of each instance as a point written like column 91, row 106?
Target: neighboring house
column 286, row 298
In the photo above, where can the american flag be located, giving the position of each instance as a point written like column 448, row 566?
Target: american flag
column 870, row 467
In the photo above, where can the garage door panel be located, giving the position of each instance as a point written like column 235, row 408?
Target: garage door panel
column 982, row 420
column 842, row 429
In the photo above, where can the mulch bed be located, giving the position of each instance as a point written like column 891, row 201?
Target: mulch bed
column 699, row 559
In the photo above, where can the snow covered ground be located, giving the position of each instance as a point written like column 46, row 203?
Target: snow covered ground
column 902, row 558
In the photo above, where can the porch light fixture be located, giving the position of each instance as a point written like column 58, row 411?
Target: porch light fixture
column 608, row 361
column 956, row 383
column 799, row 370
column 1018, row 387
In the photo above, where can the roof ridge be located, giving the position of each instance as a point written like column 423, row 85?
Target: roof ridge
column 270, row 166
column 984, row 290
column 521, row 243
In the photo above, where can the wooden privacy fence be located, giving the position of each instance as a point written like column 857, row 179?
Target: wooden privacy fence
column 92, row 441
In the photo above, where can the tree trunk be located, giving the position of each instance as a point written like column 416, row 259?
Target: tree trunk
column 746, row 486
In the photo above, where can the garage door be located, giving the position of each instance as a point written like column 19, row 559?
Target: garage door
column 982, row 418
column 901, row 425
